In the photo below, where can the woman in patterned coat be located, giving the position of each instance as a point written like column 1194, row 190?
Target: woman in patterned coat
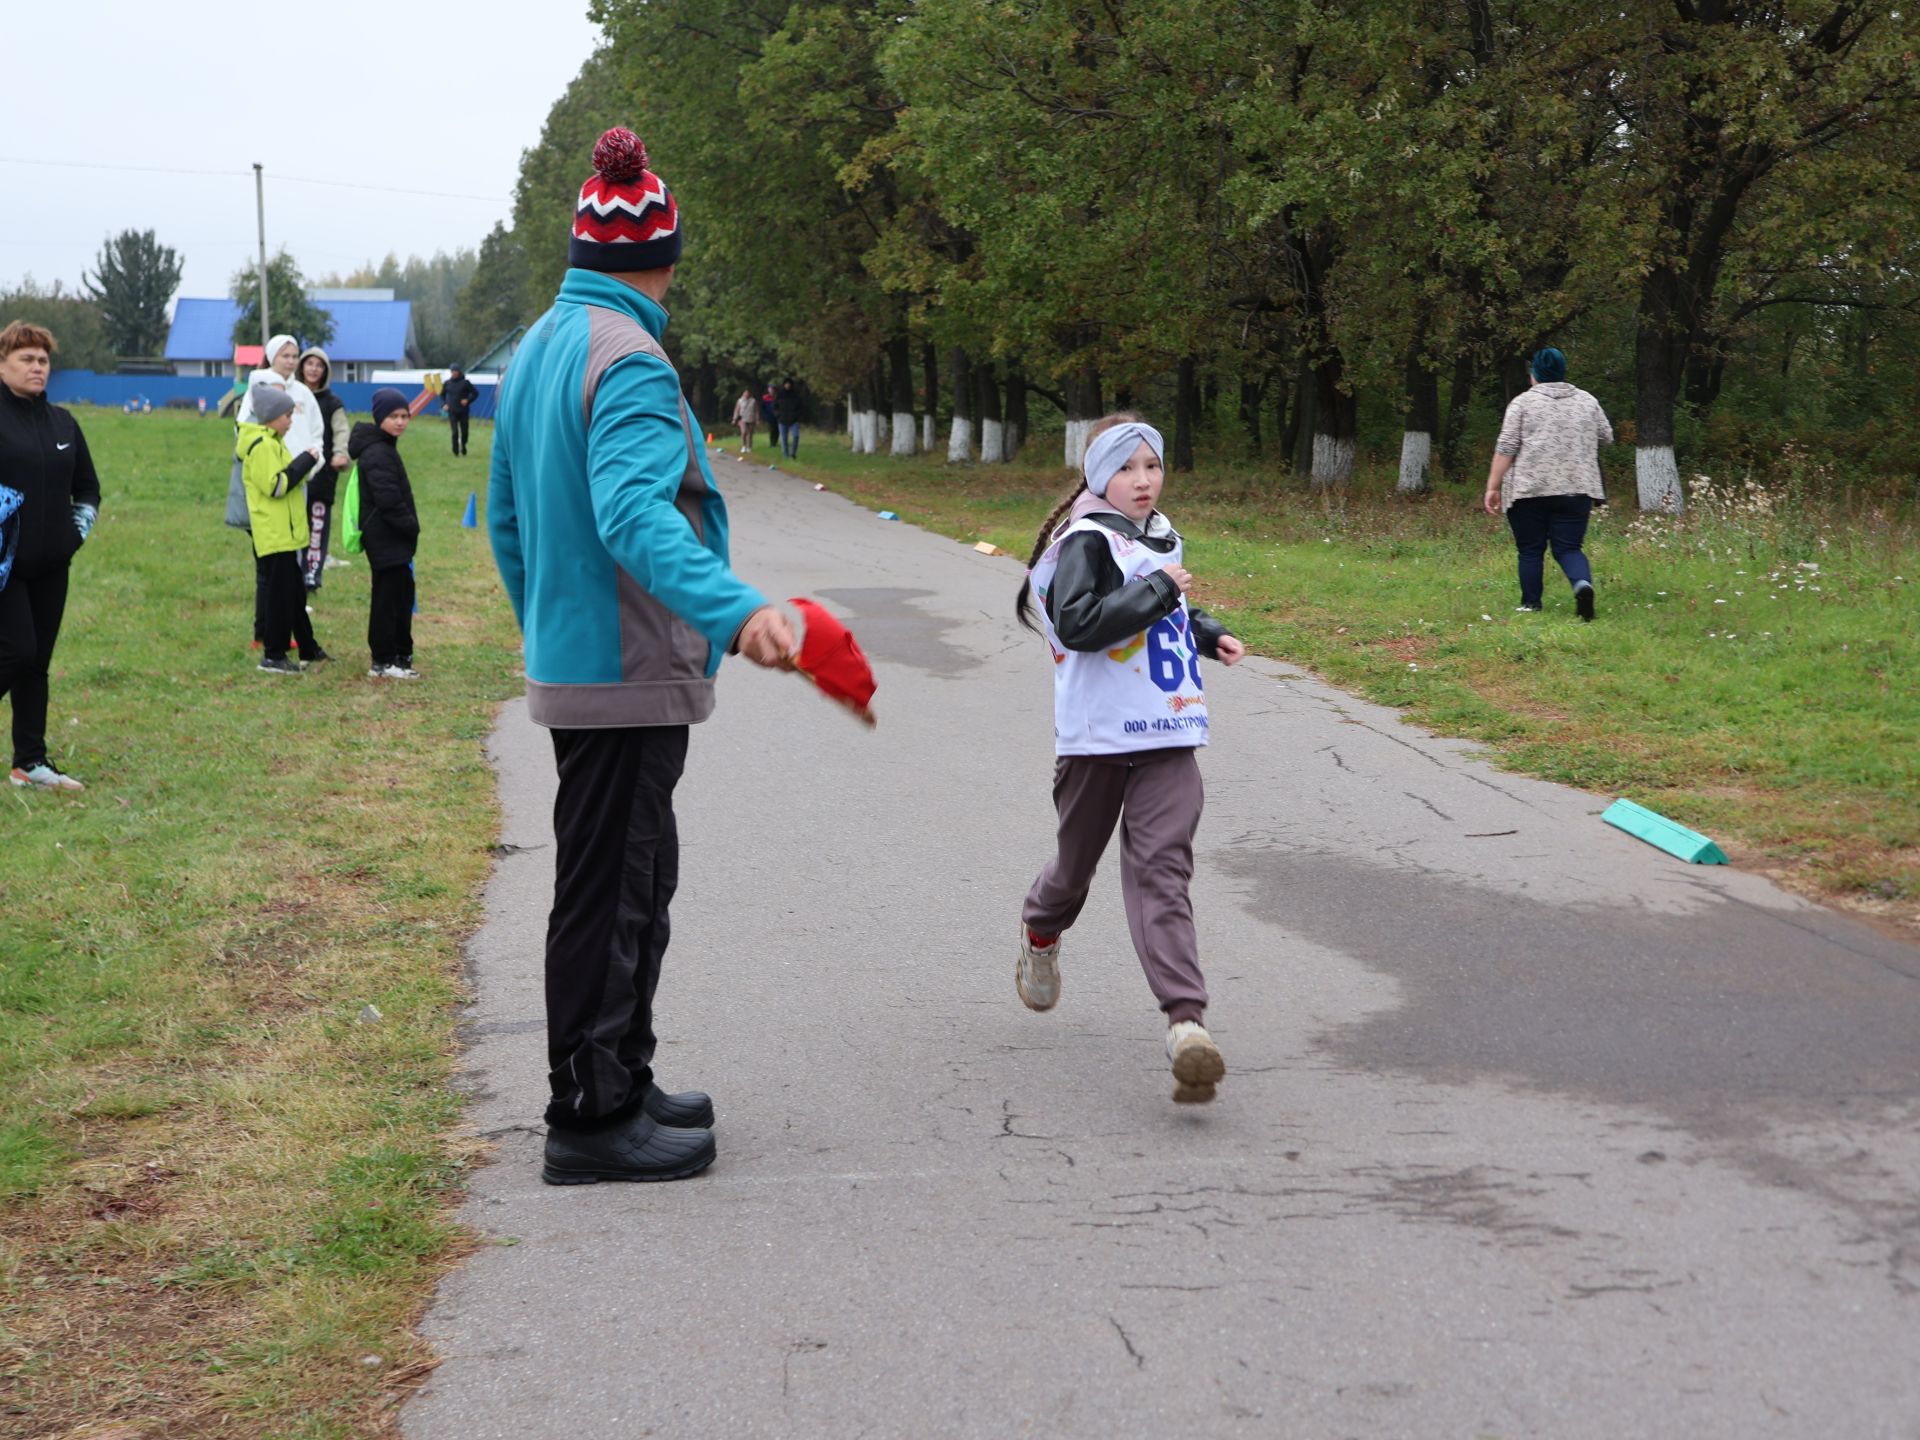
column 1546, row 476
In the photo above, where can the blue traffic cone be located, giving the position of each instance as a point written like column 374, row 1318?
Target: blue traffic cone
column 471, row 519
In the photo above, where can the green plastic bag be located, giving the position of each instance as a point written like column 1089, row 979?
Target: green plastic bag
column 349, row 517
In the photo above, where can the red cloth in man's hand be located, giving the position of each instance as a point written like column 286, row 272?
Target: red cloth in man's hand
column 831, row 658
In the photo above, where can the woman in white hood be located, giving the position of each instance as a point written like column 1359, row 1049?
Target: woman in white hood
column 283, row 353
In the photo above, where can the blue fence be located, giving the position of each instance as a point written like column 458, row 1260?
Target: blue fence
column 84, row 387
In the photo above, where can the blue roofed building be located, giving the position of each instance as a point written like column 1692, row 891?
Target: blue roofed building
column 371, row 331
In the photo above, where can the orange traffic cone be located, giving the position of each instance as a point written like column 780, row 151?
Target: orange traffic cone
column 709, row 437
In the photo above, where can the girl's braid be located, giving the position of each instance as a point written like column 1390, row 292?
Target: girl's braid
column 1023, row 603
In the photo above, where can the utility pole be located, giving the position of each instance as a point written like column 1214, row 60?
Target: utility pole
column 260, row 205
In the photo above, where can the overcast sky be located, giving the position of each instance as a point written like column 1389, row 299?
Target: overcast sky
column 437, row 96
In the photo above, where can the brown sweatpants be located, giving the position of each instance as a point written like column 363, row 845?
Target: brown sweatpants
column 1156, row 796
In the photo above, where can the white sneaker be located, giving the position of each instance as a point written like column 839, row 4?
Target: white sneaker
column 1197, row 1066
column 399, row 672
column 1036, row 974
column 43, row 777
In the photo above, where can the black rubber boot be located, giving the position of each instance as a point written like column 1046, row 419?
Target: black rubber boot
column 1583, row 601
column 638, row 1149
column 686, row 1110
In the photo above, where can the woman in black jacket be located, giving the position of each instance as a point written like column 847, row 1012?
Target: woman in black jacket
column 389, row 533
column 44, row 457
column 315, row 371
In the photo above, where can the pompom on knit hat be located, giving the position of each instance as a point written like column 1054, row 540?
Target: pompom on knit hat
column 625, row 218
column 386, row 400
column 1548, row 365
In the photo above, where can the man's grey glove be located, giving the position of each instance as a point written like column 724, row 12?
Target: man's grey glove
column 83, row 518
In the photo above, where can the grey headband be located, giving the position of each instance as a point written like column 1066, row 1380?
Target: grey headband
column 1113, row 448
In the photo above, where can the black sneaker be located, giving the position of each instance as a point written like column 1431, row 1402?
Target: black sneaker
column 1583, row 601
column 278, row 667
column 316, row 656
column 687, row 1110
column 638, row 1149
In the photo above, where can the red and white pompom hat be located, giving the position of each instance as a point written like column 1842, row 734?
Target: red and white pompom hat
column 625, row 218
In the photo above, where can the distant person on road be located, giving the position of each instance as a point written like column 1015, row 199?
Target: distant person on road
column 276, row 486
column 389, row 535
column 316, row 371
column 746, row 413
column 456, row 398
column 768, row 417
column 1129, row 719
column 1546, row 473
column 45, row 463
column 611, row 538
column 786, row 409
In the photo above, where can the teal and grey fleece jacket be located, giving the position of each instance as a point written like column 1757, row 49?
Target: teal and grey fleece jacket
column 609, row 532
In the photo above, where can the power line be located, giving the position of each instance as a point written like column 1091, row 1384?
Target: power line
column 245, row 174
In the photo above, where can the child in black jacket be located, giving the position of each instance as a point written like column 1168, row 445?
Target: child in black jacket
column 389, row 533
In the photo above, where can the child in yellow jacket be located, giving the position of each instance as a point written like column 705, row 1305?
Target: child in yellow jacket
column 275, row 481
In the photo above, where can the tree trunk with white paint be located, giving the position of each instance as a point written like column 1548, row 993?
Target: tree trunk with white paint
column 865, row 420
column 1332, row 461
column 1416, row 459
column 1657, row 361
column 960, row 437
column 902, row 433
column 986, row 408
column 1335, row 425
column 1423, row 417
column 1016, row 420
column 1083, row 408
column 927, row 436
column 1657, row 476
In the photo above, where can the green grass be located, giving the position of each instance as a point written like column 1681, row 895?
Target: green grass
column 1727, row 685
column 221, row 1192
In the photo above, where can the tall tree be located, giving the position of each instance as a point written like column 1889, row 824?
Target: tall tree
column 79, row 332
column 288, row 308
column 494, row 300
column 133, row 281
column 1718, row 101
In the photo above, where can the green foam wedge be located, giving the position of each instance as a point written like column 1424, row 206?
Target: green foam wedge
column 1669, row 835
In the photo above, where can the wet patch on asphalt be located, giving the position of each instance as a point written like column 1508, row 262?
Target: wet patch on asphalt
column 891, row 628
column 1720, row 1019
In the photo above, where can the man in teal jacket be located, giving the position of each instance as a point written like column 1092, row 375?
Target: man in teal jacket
column 611, row 539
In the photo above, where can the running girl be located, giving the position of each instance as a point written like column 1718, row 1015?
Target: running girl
column 1128, row 715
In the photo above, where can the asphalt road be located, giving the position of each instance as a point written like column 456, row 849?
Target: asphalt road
column 1529, row 1130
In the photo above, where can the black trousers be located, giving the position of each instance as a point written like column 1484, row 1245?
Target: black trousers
column 457, row 425
column 259, row 599
column 390, row 616
column 616, row 866
column 313, row 560
column 30, row 615
column 286, row 621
